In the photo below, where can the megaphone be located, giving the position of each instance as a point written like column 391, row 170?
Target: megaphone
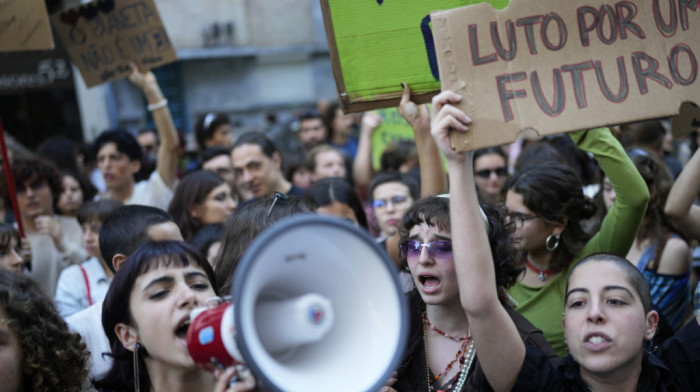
column 318, row 307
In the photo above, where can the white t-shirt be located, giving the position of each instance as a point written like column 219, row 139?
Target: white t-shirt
column 88, row 323
column 152, row 192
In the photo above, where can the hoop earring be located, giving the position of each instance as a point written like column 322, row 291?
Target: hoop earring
column 548, row 242
column 137, row 384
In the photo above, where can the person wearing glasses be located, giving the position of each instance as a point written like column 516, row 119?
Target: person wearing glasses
column 546, row 204
column 441, row 353
column 391, row 194
column 490, row 174
column 607, row 314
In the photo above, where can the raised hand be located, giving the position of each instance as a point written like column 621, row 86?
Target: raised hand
column 447, row 118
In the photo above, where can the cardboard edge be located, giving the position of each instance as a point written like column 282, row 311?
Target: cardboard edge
column 343, row 100
column 390, row 100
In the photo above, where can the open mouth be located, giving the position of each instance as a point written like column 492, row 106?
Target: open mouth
column 429, row 282
column 597, row 341
column 182, row 327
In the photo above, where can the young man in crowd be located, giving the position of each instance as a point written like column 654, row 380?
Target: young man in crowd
column 119, row 155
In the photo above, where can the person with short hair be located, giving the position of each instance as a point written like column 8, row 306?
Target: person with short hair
column 325, row 161
column 257, row 165
column 312, row 131
column 55, row 240
column 119, row 156
column 546, row 203
column 606, row 319
column 121, row 233
column 82, row 285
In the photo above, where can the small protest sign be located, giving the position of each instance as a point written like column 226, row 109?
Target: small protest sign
column 24, row 25
column 102, row 37
column 392, row 129
column 375, row 45
column 565, row 66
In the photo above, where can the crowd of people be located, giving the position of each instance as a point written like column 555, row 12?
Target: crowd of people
column 571, row 266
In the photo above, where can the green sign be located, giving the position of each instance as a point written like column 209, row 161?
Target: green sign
column 376, row 45
column 393, row 128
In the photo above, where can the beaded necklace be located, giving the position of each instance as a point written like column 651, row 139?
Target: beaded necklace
column 465, row 355
column 434, row 328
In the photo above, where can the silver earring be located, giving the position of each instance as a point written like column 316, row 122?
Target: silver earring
column 137, row 386
column 548, row 242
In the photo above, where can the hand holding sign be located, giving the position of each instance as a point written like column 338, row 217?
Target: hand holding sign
column 448, row 118
column 104, row 36
column 565, row 67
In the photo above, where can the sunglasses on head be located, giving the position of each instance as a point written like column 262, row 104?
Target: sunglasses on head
column 486, row 173
column 412, row 249
column 381, row 203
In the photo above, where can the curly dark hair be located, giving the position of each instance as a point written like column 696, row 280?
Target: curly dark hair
column 31, row 169
column 435, row 211
column 554, row 192
column 55, row 359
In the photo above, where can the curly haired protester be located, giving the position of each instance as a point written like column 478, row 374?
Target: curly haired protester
column 37, row 352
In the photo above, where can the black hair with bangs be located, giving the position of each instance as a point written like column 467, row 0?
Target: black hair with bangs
column 115, row 309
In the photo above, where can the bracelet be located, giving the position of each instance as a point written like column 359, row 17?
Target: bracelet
column 155, row 106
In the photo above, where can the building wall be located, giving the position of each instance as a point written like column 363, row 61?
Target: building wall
column 276, row 64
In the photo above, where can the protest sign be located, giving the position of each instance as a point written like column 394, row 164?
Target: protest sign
column 102, row 37
column 24, row 25
column 375, row 45
column 565, row 66
column 392, row 129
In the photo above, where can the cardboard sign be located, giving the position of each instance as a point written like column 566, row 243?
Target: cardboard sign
column 102, row 37
column 375, row 45
column 565, row 66
column 24, row 25
column 393, row 128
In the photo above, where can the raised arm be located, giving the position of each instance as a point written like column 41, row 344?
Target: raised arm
column 432, row 172
column 158, row 105
column 620, row 225
column 498, row 345
column 679, row 204
column 362, row 164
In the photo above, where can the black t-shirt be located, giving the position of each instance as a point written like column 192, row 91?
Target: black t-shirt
column 675, row 368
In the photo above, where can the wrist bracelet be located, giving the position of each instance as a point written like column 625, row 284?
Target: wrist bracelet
column 154, row 106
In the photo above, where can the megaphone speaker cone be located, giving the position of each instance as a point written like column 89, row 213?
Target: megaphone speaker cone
column 357, row 291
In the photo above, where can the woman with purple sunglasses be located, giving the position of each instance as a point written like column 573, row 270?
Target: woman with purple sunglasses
column 440, row 353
